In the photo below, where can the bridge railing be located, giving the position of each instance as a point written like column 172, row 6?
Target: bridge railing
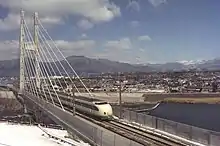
column 91, row 133
column 188, row 132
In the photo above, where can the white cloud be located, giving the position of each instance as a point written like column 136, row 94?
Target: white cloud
column 118, row 50
column 51, row 20
column 12, row 21
column 9, row 45
column 134, row 24
column 85, row 24
column 134, row 5
column 10, row 49
column 156, row 3
column 53, row 11
column 123, row 43
column 141, row 50
column 144, row 38
column 84, row 35
column 76, row 45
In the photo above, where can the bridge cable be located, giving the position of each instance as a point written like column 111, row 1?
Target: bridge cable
column 41, row 72
column 45, row 58
column 40, row 38
column 33, row 44
column 40, row 24
column 43, row 38
column 29, row 53
column 40, row 75
column 28, row 70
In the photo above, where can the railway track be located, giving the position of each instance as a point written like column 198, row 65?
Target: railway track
column 140, row 136
column 154, row 140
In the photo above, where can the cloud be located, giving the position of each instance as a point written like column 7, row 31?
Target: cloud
column 9, row 45
column 156, row 3
column 122, row 49
column 141, row 50
column 134, row 5
column 9, row 49
column 144, row 38
column 134, row 24
column 84, row 35
column 12, row 21
column 121, row 44
column 75, row 45
column 95, row 11
column 85, row 24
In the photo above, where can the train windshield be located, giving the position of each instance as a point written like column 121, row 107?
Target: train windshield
column 100, row 103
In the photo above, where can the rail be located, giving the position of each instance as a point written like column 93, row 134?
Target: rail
column 140, row 136
column 166, row 127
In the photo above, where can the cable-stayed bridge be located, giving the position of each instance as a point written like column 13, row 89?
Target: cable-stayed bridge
column 40, row 60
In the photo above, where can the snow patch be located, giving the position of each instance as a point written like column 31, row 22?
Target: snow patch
column 25, row 135
column 191, row 62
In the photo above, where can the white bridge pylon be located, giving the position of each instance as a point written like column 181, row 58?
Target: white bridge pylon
column 39, row 61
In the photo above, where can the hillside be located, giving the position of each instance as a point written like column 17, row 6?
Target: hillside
column 80, row 64
column 83, row 64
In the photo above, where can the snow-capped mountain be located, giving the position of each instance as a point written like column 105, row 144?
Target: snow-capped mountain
column 192, row 62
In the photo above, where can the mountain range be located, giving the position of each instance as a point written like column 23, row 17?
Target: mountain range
column 83, row 64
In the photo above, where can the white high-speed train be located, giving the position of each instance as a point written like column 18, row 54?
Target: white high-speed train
column 100, row 109
column 91, row 106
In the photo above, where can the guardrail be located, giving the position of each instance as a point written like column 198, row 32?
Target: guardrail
column 188, row 132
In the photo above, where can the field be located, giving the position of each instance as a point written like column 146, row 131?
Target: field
column 152, row 97
column 208, row 100
column 114, row 96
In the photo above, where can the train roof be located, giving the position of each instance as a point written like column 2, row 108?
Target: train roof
column 89, row 99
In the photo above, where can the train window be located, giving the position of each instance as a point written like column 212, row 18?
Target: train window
column 100, row 103
column 95, row 108
column 87, row 105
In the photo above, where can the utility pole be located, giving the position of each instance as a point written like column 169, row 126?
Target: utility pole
column 120, row 104
column 36, row 41
column 73, row 102
column 21, row 46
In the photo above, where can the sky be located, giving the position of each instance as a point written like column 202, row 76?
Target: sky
column 133, row 31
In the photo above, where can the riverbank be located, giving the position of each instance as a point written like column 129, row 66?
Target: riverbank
column 208, row 100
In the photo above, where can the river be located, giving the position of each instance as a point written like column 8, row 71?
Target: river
column 205, row 116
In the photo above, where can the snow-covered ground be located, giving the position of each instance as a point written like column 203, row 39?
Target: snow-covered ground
column 24, row 135
column 7, row 94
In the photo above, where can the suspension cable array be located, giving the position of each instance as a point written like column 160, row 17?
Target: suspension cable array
column 42, row 60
